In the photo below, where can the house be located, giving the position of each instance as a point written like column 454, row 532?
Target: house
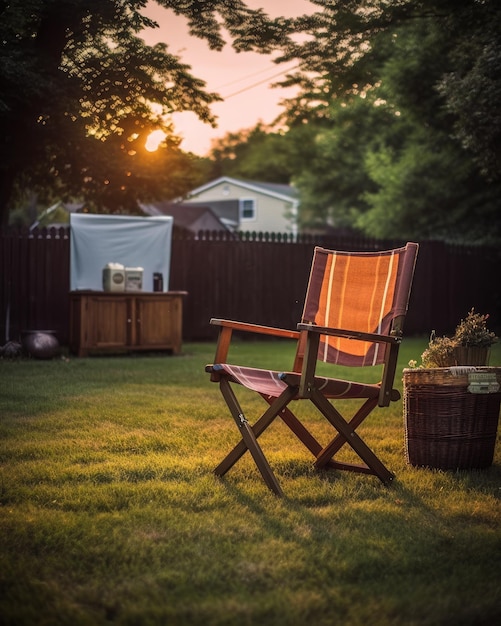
column 187, row 217
column 249, row 205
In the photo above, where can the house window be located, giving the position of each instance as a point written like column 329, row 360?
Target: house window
column 247, row 209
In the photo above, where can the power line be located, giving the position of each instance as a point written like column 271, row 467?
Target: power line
column 236, row 93
column 242, row 78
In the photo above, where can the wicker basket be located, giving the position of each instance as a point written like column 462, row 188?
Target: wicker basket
column 447, row 426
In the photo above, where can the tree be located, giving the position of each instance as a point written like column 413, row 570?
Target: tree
column 333, row 180
column 77, row 88
column 427, row 185
column 407, row 94
column 472, row 89
column 258, row 153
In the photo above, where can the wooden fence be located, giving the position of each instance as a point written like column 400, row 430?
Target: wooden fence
column 255, row 278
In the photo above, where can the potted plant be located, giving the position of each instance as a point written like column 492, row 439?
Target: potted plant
column 439, row 353
column 473, row 340
column 470, row 344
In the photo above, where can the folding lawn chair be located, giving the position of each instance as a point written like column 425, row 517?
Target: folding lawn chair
column 353, row 315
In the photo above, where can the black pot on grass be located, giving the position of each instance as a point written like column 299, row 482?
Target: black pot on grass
column 40, row 344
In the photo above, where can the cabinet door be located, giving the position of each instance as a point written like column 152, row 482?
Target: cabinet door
column 159, row 320
column 109, row 322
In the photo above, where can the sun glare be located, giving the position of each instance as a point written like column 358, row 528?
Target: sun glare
column 154, row 139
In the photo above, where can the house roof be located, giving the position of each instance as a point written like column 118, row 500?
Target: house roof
column 188, row 216
column 276, row 190
column 226, row 210
column 282, row 189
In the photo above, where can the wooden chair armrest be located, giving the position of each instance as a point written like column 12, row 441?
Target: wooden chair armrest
column 256, row 328
column 350, row 334
column 228, row 326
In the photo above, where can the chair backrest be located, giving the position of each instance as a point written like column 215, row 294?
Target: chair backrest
column 364, row 292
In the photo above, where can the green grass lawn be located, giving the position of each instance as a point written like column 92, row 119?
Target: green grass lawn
column 110, row 512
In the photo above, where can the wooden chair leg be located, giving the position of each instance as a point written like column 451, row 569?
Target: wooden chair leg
column 304, row 435
column 249, row 438
column 259, row 427
column 325, row 456
column 351, row 437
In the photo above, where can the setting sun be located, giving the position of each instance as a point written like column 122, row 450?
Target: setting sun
column 154, row 139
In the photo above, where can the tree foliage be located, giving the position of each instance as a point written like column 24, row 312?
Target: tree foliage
column 77, row 88
column 395, row 130
column 407, row 95
column 258, row 153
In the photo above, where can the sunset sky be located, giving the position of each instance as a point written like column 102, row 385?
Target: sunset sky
column 242, row 79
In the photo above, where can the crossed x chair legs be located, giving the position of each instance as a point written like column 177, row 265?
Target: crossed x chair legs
column 324, row 455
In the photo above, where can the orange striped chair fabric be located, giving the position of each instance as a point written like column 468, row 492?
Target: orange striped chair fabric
column 362, row 292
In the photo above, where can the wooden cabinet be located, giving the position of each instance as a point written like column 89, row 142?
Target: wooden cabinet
column 117, row 322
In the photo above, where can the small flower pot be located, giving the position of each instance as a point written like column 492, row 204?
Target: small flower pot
column 471, row 356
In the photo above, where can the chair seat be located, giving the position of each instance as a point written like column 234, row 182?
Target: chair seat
column 273, row 383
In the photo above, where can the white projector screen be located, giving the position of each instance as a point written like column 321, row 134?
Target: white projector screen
column 96, row 240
